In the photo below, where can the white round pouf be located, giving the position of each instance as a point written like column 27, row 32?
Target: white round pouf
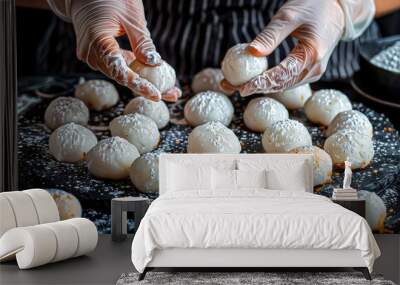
column 322, row 163
column 294, row 98
column 67, row 204
column 71, row 142
column 375, row 210
column 97, row 94
column 208, row 106
column 239, row 66
column 144, row 173
column 352, row 146
column 325, row 104
column 262, row 112
column 111, row 158
column 157, row 111
column 139, row 130
column 284, row 136
column 208, row 79
column 350, row 120
column 64, row 110
column 161, row 76
column 213, row 137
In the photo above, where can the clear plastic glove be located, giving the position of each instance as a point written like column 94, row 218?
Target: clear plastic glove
column 318, row 25
column 97, row 23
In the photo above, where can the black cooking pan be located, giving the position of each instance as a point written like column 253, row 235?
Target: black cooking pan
column 382, row 79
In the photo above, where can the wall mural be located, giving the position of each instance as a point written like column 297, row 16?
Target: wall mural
column 80, row 193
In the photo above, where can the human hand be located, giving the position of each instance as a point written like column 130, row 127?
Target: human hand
column 97, row 23
column 318, row 25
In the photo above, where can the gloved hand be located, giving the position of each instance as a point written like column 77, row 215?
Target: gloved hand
column 318, row 25
column 97, row 23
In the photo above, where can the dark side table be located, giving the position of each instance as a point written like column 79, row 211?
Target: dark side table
column 356, row 206
column 119, row 209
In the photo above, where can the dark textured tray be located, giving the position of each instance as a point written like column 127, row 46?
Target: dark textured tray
column 38, row 169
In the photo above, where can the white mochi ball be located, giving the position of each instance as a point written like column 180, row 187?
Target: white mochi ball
column 112, row 158
column 63, row 110
column 325, row 104
column 262, row 112
column 322, row 163
column 157, row 111
column 139, row 130
column 68, row 205
column 350, row 120
column 208, row 79
column 375, row 210
column 239, row 66
column 162, row 76
column 144, row 172
column 294, row 98
column 71, row 142
column 213, row 137
column 97, row 94
column 352, row 146
column 208, row 106
column 284, row 136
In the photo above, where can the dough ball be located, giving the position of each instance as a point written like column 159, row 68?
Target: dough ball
column 325, row 105
column 68, row 205
column 375, row 210
column 139, row 130
column 213, row 137
column 144, row 173
column 350, row 120
column 157, row 111
column 262, row 112
column 111, row 158
column 284, row 136
column 239, row 66
column 208, row 79
column 162, row 76
column 352, row 146
column 294, row 98
column 63, row 110
column 97, row 94
column 208, row 106
column 322, row 163
column 71, row 142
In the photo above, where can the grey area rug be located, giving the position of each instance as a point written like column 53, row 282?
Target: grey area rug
column 243, row 278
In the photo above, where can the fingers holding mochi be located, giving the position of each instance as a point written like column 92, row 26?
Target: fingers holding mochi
column 239, row 65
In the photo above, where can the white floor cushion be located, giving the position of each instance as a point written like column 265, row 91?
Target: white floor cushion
column 7, row 218
column 66, row 238
column 87, row 235
column 40, row 244
column 23, row 208
column 45, row 205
